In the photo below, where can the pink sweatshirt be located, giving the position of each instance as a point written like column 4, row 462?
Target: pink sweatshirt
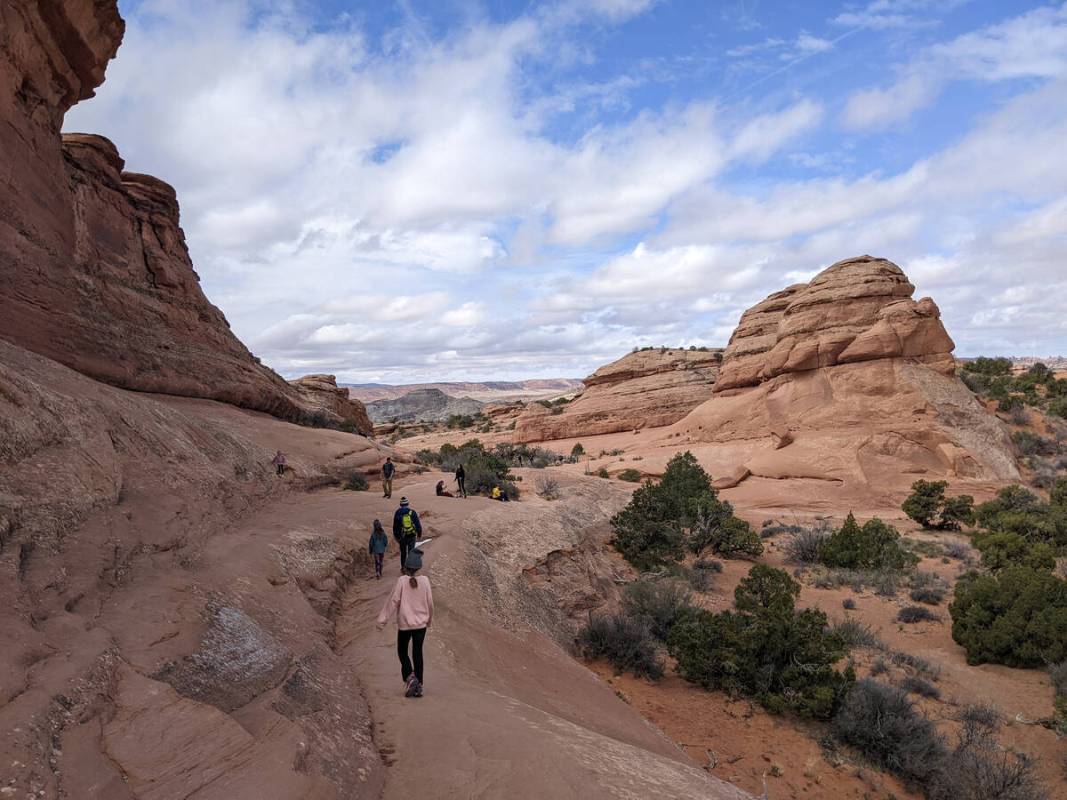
column 413, row 605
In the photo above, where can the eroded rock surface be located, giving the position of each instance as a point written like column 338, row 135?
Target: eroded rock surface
column 848, row 379
column 321, row 396
column 649, row 388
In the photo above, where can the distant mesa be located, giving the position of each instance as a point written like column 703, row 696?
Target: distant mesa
column 422, row 405
column 484, row 391
column 648, row 388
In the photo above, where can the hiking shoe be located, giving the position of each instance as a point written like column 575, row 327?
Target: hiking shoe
column 413, row 686
column 418, row 689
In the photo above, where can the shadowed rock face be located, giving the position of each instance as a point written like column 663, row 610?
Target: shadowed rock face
column 649, row 388
column 320, row 394
column 93, row 261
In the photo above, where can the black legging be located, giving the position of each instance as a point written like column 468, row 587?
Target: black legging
column 407, row 544
column 415, row 637
column 460, row 482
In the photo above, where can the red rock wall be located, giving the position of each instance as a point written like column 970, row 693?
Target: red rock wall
column 93, row 261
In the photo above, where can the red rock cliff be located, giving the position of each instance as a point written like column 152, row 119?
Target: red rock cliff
column 93, row 261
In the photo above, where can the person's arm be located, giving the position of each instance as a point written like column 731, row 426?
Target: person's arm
column 390, row 607
column 396, row 524
column 418, row 524
column 370, row 545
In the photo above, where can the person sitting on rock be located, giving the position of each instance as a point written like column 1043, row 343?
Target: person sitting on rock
column 441, row 490
column 279, row 462
column 379, row 543
column 498, row 494
column 412, row 604
column 406, row 529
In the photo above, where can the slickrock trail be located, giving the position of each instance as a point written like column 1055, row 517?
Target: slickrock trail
column 507, row 713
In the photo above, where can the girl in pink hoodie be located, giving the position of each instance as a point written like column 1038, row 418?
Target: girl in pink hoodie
column 412, row 603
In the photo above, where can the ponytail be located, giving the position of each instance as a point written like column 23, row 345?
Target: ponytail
column 414, row 583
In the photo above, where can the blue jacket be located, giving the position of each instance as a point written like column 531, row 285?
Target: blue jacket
column 378, row 543
column 398, row 527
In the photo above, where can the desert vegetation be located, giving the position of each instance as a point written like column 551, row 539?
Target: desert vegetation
column 484, row 468
column 680, row 512
column 929, row 506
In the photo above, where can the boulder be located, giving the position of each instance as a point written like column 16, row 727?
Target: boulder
column 647, row 388
column 320, row 395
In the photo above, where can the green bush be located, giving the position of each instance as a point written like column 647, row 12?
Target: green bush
column 715, row 527
column 356, row 483
column 765, row 649
column 631, row 475
column 577, row 451
column 625, row 642
column 1018, row 510
column 928, row 506
column 910, row 614
column 1058, row 407
column 988, row 366
column 875, row 545
column 484, row 468
column 603, row 473
column 1001, row 550
column 1016, row 617
column 659, row 603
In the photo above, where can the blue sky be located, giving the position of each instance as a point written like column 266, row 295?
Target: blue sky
column 467, row 190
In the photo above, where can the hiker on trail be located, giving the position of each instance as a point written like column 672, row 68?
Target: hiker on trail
column 279, row 462
column 461, row 475
column 441, row 490
column 379, row 542
column 406, row 529
column 412, row 603
column 388, row 468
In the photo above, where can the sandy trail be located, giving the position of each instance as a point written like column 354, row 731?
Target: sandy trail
column 505, row 714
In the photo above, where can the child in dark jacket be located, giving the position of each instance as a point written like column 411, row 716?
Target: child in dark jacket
column 378, row 544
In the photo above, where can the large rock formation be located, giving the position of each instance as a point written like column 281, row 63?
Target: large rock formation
column 93, row 261
column 323, row 400
column 847, row 379
column 644, row 389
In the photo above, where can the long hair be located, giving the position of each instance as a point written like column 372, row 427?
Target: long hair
column 411, row 576
column 378, row 526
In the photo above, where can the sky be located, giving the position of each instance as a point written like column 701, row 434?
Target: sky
column 421, row 190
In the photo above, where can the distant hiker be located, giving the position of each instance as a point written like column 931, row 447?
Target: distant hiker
column 461, row 476
column 406, row 529
column 279, row 462
column 441, row 490
column 379, row 542
column 412, row 603
column 388, row 468
column 497, row 494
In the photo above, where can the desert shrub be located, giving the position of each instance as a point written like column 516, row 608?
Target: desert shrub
column 988, row 366
column 885, row 582
column 356, row 483
column 1030, row 444
column 911, row 614
column 1001, row 550
column 875, row 545
column 848, row 604
column 650, row 530
column 603, row 473
column 882, row 723
column 919, row 666
column 979, row 768
column 708, row 565
column 1018, row 510
column 625, row 642
column 631, row 475
column 804, row 545
column 913, row 684
column 660, row 603
column 1057, row 407
column 1016, row 617
column 880, row 666
column 701, row 575
column 765, row 649
column 716, row 528
column 927, row 587
column 577, row 451
column 857, row 634
column 484, row 468
column 956, row 549
column 548, row 487
column 928, row 506
column 980, row 714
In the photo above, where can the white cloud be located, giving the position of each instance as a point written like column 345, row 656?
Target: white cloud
column 765, row 134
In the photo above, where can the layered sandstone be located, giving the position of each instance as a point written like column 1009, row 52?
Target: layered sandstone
column 320, row 395
column 848, row 379
column 647, row 388
column 93, row 260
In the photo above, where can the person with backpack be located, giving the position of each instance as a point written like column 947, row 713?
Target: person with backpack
column 379, row 542
column 388, row 468
column 461, row 476
column 412, row 604
column 406, row 529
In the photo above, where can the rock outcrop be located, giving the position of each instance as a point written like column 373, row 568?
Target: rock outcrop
column 422, row 405
column 320, row 396
column 848, row 379
column 644, row 389
column 93, row 261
